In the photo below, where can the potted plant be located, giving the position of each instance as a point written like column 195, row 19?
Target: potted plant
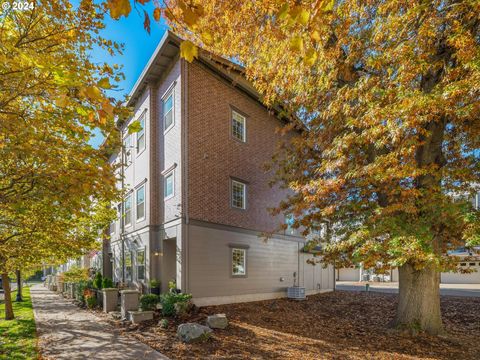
column 155, row 287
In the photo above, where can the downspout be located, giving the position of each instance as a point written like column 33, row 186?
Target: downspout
column 184, row 89
column 122, row 204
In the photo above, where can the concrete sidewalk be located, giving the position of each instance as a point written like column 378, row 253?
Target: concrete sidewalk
column 467, row 290
column 67, row 332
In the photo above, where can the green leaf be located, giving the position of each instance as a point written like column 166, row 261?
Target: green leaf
column 283, row 12
column 134, row 127
column 296, row 44
column 328, row 5
column 104, row 83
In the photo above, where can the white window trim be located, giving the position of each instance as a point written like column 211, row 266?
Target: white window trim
column 171, row 93
column 144, row 202
column 172, row 172
column 144, row 115
column 244, row 135
column 244, row 250
column 125, row 210
column 232, row 181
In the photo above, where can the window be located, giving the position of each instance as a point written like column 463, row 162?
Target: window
column 168, row 112
column 169, row 185
column 140, row 263
column 128, row 265
column 112, row 227
column 141, row 135
column 128, row 150
column 141, row 203
column 239, row 126
column 239, row 262
column 128, row 210
column 289, row 221
column 238, row 194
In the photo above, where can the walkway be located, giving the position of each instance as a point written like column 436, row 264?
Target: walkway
column 468, row 290
column 67, row 332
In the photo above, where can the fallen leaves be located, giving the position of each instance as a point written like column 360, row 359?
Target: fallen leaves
column 338, row 325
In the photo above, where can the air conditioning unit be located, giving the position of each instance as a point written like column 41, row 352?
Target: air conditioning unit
column 296, row 292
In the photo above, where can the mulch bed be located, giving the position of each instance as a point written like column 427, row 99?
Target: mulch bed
column 336, row 325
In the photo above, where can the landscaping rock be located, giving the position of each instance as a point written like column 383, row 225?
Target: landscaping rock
column 217, row 321
column 193, row 332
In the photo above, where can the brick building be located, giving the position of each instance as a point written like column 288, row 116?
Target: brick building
column 198, row 193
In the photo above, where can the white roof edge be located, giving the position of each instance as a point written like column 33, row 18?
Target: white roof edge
column 167, row 36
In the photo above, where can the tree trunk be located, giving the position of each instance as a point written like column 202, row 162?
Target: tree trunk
column 419, row 300
column 8, row 297
column 19, row 286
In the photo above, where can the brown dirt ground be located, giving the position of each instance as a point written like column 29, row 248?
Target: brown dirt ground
column 336, row 325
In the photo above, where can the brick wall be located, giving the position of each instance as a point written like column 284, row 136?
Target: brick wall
column 214, row 157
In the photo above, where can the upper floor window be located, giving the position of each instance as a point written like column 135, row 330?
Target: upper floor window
column 141, row 203
column 128, row 210
column 239, row 262
column 239, row 129
column 141, row 135
column 239, row 191
column 128, row 150
column 168, row 112
column 169, row 185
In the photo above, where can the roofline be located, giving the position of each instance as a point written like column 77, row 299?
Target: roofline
column 158, row 50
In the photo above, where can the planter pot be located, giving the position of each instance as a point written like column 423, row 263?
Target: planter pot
column 155, row 291
column 99, row 297
column 110, row 299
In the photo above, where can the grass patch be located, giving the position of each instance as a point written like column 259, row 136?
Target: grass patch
column 18, row 337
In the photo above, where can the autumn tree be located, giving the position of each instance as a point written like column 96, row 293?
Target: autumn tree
column 54, row 186
column 386, row 94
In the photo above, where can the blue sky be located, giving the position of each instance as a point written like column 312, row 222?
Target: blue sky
column 139, row 46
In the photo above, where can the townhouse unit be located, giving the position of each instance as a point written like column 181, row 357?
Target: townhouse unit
column 197, row 192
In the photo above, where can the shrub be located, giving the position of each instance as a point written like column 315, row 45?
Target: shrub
column 82, row 287
column 91, row 300
column 149, row 302
column 97, row 281
column 154, row 283
column 163, row 323
column 169, row 300
column 107, row 283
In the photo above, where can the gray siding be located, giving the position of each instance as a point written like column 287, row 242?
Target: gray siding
column 209, row 264
column 170, row 142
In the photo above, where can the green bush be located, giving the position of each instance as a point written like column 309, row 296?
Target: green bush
column 154, row 283
column 149, row 302
column 81, row 287
column 163, row 323
column 169, row 300
column 91, row 301
column 97, row 281
column 107, row 283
